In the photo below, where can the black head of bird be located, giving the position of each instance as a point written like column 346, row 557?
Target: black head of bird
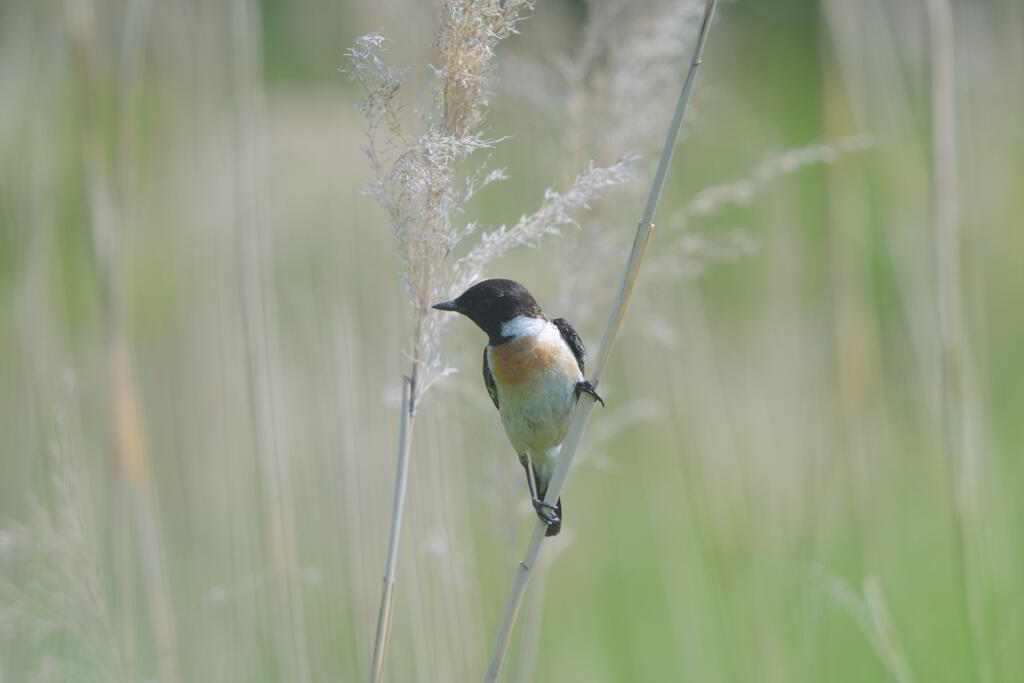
column 491, row 303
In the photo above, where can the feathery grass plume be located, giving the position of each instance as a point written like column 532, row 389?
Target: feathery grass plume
column 585, row 404
column 417, row 184
column 742, row 191
column 52, row 600
column 630, row 53
column 693, row 251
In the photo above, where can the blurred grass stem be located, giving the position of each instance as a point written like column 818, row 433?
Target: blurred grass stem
column 953, row 379
column 645, row 231
column 871, row 612
column 407, row 414
column 417, row 185
column 129, row 430
column 254, row 243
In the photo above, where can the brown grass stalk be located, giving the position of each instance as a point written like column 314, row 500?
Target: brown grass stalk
column 128, row 425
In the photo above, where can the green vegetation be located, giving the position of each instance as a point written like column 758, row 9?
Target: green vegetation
column 192, row 279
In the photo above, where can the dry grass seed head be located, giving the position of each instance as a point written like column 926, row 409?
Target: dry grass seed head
column 417, row 176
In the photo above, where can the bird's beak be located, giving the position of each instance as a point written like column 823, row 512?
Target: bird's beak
column 447, row 306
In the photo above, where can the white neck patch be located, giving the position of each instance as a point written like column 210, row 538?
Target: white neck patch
column 523, row 326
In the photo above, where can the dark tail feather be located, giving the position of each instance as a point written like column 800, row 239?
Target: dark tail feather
column 542, row 490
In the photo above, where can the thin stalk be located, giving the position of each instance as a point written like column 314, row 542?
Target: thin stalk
column 949, row 293
column 133, row 457
column 531, row 626
column 468, row 33
column 256, row 296
column 407, row 413
column 128, row 426
column 887, row 645
column 644, row 232
column 870, row 611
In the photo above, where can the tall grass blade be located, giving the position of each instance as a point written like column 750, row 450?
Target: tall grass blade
column 645, row 231
column 949, row 294
column 131, row 448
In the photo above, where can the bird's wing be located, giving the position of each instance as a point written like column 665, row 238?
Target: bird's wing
column 573, row 340
column 492, row 388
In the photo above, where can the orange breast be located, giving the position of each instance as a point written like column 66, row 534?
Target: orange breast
column 522, row 359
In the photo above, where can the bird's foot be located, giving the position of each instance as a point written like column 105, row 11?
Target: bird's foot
column 547, row 513
column 586, row 387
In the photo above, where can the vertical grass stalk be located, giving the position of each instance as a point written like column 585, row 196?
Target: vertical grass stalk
column 949, row 294
column 255, row 290
column 645, row 231
column 406, row 415
column 128, row 426
column 419, row 182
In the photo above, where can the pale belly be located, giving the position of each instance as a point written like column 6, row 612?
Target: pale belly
column 536, row 381
column 536, row 414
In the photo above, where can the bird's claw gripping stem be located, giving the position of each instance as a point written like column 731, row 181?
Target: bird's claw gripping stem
column 547, row 513
column 586, row 387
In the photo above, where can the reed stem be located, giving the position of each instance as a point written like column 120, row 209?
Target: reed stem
column 645, row 230
column 407, row 413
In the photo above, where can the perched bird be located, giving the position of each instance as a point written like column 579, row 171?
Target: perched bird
column 533, row 370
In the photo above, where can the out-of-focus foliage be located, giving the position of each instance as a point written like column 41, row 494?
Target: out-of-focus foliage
column 765, row 497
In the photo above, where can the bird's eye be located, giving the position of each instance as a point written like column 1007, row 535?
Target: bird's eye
column 485, row 304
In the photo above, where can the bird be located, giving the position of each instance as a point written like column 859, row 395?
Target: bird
column 533, row 370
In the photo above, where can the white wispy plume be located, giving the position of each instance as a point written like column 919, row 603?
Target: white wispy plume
column 691, row 252
column 418, row 184
column 555, row 212
column 416, row 174
column 631, row 53
column 743, row 190
column 52, row 599
column 618, row 89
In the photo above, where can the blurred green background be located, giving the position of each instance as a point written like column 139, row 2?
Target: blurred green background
column 201, row 334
